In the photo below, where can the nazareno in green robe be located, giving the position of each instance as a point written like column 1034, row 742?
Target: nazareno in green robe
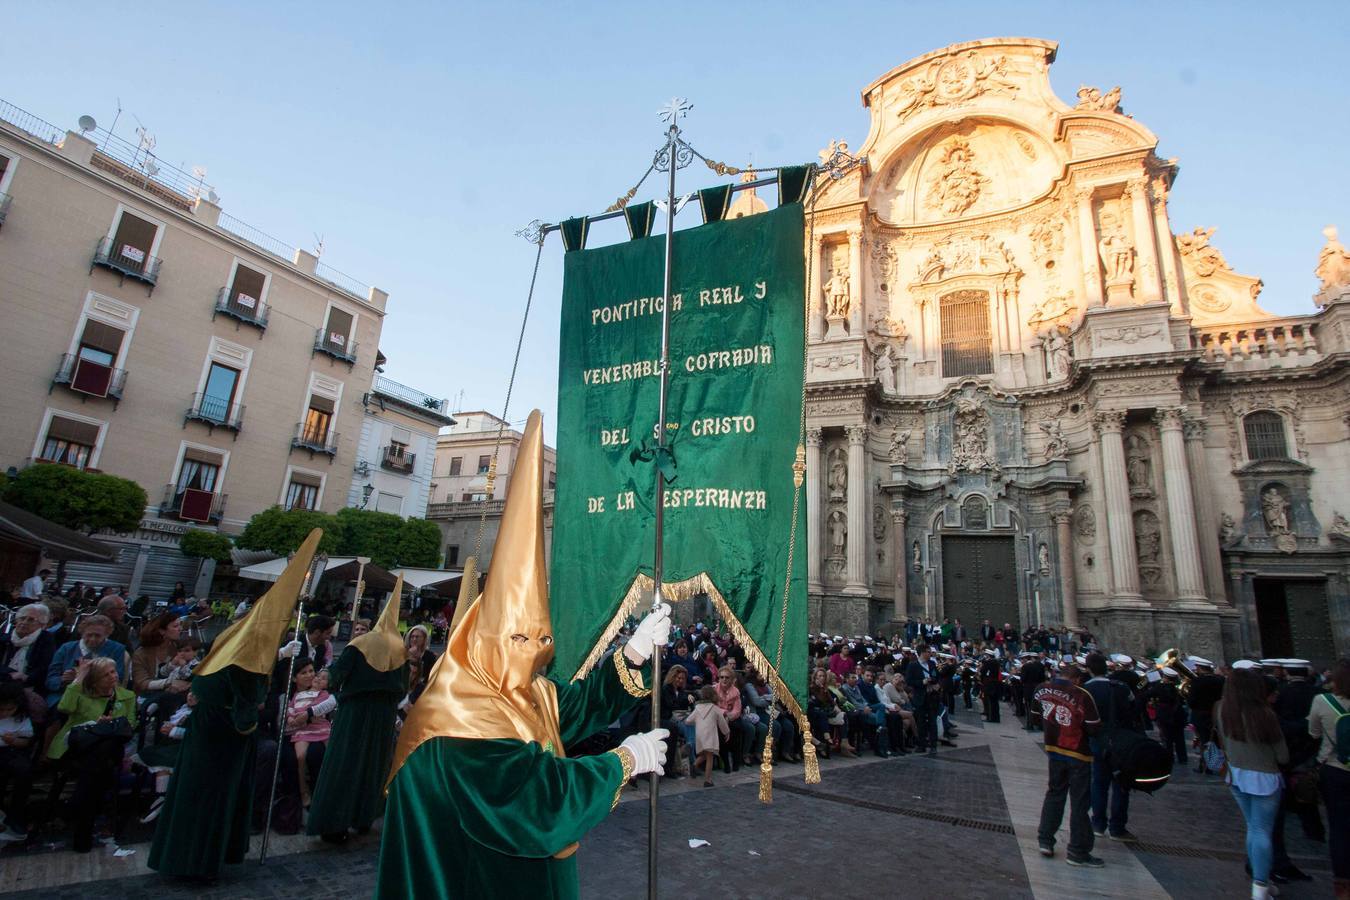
column 205, row 820
column 483, row 818
column 350, row 793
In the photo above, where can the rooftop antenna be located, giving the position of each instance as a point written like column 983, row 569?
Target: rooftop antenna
column 318, row 244
column 199, row 172
column 109, row 132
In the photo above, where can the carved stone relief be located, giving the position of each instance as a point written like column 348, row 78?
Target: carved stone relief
column 1085, row 523
column 958, row 183
column 971, row 450
column 953, row 80
column 1090, row 98
column 1139, row 466
column 899, row 447
column 1148, row 545
column 1275, row 508
column 975, row 513
column 1204, row 257
column 878, row 523
column 838, row 474
column 1056, row 445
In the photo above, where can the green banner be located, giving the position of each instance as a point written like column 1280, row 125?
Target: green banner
column 733, row 426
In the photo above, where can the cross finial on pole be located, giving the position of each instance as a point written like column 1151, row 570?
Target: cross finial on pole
column 676, row 109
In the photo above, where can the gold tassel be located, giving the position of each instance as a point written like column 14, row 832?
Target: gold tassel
column 766, row 771
column 812, row 765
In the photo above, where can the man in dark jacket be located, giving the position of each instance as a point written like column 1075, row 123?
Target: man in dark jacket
column 1033, row 676
column 27, row 653
column 1116, row 705
column 1206, row 692
column 987, row 633
column 990, row 677
column 922, row 677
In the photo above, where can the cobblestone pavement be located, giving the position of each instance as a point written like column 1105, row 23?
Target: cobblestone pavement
column 910, row 827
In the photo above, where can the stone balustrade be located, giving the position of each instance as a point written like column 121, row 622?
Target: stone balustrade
column 1258, row 345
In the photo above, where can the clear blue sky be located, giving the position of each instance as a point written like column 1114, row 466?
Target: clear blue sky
column 417, row 139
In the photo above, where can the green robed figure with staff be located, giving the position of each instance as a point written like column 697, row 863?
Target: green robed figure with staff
column 483, row 801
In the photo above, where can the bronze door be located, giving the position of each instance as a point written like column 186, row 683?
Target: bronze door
column 979, row 580
column 1294, row 621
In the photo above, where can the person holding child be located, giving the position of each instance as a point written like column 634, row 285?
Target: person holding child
column 307, row 721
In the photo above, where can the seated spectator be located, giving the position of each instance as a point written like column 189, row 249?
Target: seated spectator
column 115, row 608
column 26, row 656
column 729, row 699
column 849, row 720
column 360, row 627
column 820, row 708
column 755, row 701
column 676, row 704
column 161, row 756
column 16, row 761
column 100, row 716
column 61, row 624
column 894, row 696
column 93, row 642
column 153, row 661
column 307, row 720
column 710, row 731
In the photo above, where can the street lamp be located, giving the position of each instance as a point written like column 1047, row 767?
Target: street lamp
column 366, row 491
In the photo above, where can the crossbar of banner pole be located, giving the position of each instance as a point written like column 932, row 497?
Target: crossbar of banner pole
column 614, row 214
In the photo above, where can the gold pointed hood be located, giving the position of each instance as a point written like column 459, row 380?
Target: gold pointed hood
column 252, row 642
column 488, row 684
column 383, row 645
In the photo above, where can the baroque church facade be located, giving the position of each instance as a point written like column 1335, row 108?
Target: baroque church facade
column 1031, row 400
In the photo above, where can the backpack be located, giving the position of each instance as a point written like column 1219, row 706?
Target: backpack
column 1138, row 762
column 1342, row 734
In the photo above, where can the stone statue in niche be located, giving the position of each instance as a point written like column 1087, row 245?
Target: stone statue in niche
column 1116, row 249
column 899, row 444
column 1139, row 466
column 1227, row 530
column 838, row 533
column 916, row 553
column 1275, row 510
column 957, row 185
column 1333, row 268
column 878, row 524
column 837, row 289
column 837, row 479
column 1043, row 559
column 884, row 365
column 1056, row 445
column 1056, row 354
column 970, row 437
column 1148, row 546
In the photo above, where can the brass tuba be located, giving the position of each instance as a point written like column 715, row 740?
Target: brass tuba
column 1173, row 659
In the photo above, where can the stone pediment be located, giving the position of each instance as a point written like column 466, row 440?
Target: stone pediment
column 1214, row 292
column 966, row 255
column 1272, row 467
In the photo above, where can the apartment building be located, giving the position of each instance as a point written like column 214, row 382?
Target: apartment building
column 460, row 494
column 155, row 337
column 397, row 452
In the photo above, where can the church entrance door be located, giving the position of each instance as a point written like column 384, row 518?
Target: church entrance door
column 1293, row 620
column 979, row 580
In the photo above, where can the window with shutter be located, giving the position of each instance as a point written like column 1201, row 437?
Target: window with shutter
column 965, row 334
column 69, row 442
column 132, row 241
column 247, row 289
column 1265, row 435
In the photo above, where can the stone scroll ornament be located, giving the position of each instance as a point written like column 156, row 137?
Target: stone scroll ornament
column 733, row 511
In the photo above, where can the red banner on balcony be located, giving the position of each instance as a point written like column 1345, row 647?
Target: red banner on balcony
column 196, row 505
column 91, row 378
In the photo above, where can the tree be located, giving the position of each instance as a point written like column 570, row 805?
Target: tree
column 206, row 545
column 81, row 500
column 281, row 531
column 419, row 544
column 366, row 532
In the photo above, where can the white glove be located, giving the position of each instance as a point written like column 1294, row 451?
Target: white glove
column 289, row 650
column 652, row 632
column 649, row 751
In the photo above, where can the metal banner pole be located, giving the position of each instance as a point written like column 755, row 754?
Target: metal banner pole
column 317, row 566
column 668, row 158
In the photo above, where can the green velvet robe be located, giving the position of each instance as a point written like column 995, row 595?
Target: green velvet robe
column 483, row 818
column 205, row 820
column 350, row 793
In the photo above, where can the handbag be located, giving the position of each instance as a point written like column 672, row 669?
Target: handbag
column 82, row 737
column 1215, row 758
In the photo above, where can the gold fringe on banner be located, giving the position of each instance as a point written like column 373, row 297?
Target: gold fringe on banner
column 678, row 591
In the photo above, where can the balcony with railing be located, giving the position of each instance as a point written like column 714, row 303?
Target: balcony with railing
column 192, row 505
column 314, row 440
column 1269, row 344
column 338, row 346
column 4, row 207
column 396, row 458
column 390, row 389
column 241, row 307
column 214, row 413
column 89, row 379
column 127, row 261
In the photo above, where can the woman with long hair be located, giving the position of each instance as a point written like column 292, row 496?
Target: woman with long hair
column 152, row 659
column 1254, row 745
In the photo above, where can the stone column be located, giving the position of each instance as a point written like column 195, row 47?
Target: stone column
column 1087, row 237
column 1166, row 246
column 855, row 283
column 1119, row 519
column 1150, row 286
column 1206, row 522
column 900, row 560
column 1068, row 589
column 1180, row 508
column 815, row 521
column 856, row 570
column 815, row 318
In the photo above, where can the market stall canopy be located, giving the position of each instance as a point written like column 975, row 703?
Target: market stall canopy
column 343, row 568
column 443, row 581
column 54, row 541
